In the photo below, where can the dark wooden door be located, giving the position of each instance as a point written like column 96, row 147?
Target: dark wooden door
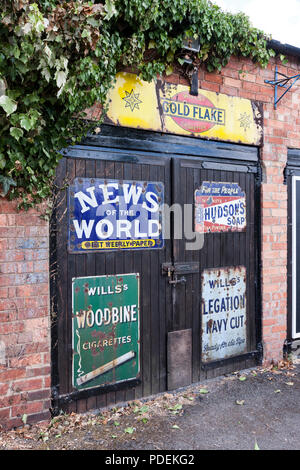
column 225, row 255
column 155, row 300
column 170, row 278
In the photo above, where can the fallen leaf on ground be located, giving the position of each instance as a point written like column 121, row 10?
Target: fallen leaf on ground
column 129, row 430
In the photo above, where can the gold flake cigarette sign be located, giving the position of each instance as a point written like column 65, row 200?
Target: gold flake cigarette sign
column 169, row 108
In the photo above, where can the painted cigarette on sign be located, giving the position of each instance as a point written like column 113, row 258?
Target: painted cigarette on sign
column 224, row 313
column 105, row 368
column 220, row 207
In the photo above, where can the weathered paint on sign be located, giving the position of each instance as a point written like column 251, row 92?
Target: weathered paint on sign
column 220, row 207
column 223, row 313
column 165, row 107
column 106, row 331
column 114, row 215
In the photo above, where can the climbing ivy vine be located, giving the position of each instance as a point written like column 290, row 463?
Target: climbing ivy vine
column 57, row 58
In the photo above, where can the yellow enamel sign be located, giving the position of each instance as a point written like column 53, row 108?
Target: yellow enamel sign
column 164, row 107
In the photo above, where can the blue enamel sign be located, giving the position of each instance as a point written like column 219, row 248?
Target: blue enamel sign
column 107, row 215
column 220, row 207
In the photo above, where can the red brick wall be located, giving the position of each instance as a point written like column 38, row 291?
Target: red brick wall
column 24, row 289
column 24, row 316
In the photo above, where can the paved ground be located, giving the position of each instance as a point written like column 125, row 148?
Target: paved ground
column 255, row 408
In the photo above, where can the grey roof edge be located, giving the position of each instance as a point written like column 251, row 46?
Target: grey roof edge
column 285, row 49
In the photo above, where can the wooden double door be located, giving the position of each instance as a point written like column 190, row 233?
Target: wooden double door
column 197, row 310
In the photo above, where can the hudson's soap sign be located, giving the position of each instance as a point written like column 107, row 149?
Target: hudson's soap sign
column 220, row 207
column 166, row 107
column 114, row 215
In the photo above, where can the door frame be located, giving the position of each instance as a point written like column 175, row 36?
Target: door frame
column 295, row 335
column 123, row 144
column 292, row 175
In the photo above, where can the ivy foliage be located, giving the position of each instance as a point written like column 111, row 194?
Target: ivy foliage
column 57, row 58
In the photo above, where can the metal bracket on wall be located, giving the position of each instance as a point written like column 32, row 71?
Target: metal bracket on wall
column 281, row 80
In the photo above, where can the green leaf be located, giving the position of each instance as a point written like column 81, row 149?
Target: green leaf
column 169, row 70
column 16, row 132
column 24, row 418
column 178, row 406
column 8, row 104
column 2, row 87
column 242, row 379
column 175, row 426
column 129, row 430
column 203, row 391
column 6, row 183
column 2, row 161
column 256, row 446
column 26, row 122
column 61, row 78
column 110, row 9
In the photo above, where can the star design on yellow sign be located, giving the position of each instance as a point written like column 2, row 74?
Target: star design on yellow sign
column 245, row 121
column 132, row 100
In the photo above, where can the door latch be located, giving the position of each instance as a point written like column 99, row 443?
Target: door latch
column 176, row 281
column 172, row 275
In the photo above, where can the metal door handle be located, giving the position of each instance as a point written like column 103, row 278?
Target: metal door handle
column 176, row 281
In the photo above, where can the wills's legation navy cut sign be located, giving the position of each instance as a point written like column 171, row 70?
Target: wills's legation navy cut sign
column 107, row 215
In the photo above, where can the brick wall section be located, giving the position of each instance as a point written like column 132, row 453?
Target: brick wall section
column 24, row 289
column 24, row 316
